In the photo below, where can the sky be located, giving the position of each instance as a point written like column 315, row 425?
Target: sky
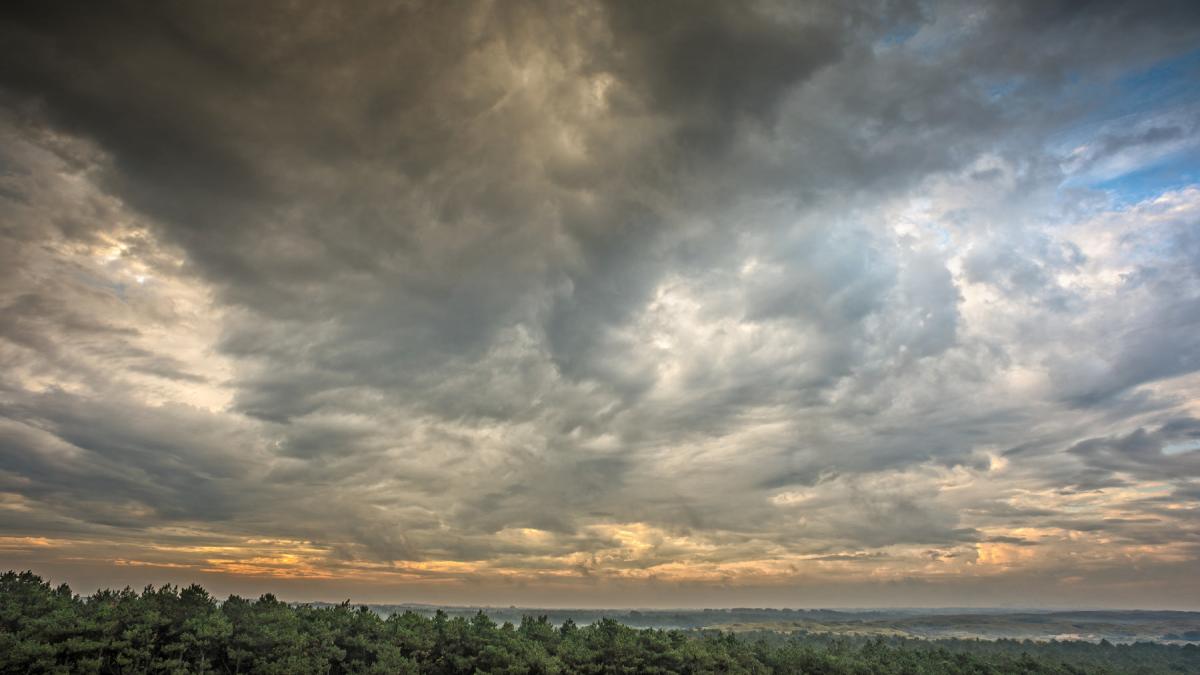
column 604, row 303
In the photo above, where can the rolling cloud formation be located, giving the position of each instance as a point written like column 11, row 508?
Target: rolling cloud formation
column 609, row 303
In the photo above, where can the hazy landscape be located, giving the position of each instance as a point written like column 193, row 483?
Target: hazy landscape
column 985, row 624
column 44, row 628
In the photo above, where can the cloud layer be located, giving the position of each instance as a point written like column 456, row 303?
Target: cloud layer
column 605, row 302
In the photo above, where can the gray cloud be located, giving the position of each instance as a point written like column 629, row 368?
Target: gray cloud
column 593, row 287
column 1142, row 454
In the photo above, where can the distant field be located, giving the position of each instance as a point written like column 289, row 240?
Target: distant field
column 1090, row 626
column 1093, row 626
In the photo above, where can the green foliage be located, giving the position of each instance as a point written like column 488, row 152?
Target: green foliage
column 169, row 630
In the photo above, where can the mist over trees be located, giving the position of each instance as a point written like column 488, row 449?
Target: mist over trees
column 47, row 629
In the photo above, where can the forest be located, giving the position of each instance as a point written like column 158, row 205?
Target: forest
column 50, row 629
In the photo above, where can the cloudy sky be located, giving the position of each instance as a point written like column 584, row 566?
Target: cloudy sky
column 604, row 303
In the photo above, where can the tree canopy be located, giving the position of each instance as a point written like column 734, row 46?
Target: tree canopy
column 47, row 629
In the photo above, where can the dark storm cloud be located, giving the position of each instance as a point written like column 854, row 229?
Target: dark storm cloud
column 715, row 68
column 1145, row 454
column 453, row 273
column 81, row 454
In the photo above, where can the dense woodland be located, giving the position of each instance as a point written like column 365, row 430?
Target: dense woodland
column 46, row 629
